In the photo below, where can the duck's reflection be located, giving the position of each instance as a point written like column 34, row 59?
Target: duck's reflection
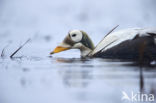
column 71, row 60
column 75, row 75
column 79, row 73
column 76, row 78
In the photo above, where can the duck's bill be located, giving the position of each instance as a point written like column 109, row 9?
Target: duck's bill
column 59, row 49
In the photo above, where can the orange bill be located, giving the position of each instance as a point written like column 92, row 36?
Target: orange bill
column 59, row 49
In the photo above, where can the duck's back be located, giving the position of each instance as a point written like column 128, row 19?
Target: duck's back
column 127, row 44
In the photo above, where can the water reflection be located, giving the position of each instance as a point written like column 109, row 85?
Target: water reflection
column 74, row 74
column 71, row 60
column 82, row 75
column 76, row 78
column 83, row 80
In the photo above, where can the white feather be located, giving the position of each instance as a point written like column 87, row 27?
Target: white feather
column 116, row 38
column 78, row 36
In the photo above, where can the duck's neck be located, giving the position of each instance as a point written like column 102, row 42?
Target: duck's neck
column 87, row 45
column 85, row 51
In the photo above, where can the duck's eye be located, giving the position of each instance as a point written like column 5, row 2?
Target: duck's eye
column 73, row 35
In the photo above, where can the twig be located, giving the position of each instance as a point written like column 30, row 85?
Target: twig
column 2, row 53
column 111, row 30
column 11, row 56
column 103, row 39
column 141, row 60
column 107, row 34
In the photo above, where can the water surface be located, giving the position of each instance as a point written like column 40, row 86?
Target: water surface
column 72, row 80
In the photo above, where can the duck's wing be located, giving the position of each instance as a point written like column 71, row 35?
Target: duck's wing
column 118, row 37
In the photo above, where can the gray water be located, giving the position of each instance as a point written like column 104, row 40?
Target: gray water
column 59, row 80
column 34, row 77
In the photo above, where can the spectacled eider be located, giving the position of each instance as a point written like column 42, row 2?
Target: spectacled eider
column 123, row 44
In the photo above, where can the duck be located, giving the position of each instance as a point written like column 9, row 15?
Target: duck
column 127, row 44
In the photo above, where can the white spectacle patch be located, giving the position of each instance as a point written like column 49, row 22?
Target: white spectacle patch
column 76, row 35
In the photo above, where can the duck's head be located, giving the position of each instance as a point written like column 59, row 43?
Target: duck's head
column 76, row 39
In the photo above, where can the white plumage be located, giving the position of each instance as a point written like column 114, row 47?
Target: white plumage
column 76, row 35
column 116, row 38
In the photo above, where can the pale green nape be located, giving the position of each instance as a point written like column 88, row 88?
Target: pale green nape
column 87, row 41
